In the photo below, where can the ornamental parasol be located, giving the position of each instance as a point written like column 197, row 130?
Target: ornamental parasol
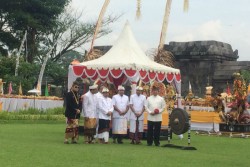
column 34, row 91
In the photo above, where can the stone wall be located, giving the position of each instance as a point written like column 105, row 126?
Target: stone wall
column 225, row 70
column 202, row 50
column 206, row 63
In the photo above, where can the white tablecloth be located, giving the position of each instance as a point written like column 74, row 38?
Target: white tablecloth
column 205, row 126
column 201, row 108
column 15, row 104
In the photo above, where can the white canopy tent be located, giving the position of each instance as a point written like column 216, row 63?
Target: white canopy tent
column 124, row 62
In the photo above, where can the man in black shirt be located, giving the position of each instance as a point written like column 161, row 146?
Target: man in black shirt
column 72, row 113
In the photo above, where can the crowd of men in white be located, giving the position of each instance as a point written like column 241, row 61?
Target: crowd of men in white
column 99, row 111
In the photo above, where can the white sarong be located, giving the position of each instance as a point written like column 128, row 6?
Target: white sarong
column 119, row 126
column 133, row 126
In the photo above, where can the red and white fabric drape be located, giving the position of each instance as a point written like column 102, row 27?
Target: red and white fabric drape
column 121, row 76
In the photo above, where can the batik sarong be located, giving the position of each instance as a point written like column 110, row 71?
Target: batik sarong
column 89, row 126
column 72, row 129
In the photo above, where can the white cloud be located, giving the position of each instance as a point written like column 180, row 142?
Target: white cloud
column 210, row 30
column 144, row 45
column 202, row 22
column 107, row 40
column 185, row 37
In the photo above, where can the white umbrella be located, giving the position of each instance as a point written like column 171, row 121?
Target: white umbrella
column 35, row 91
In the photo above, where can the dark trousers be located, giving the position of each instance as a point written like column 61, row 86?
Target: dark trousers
column 154, row 129
column 118, row 137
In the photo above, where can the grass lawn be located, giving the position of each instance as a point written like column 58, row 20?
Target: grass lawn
column 41, row 144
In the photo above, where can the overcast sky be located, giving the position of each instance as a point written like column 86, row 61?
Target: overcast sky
column 221, row 20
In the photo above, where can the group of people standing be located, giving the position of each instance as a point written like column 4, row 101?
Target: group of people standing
column 99, row 111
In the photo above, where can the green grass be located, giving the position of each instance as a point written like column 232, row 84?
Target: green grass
column 40, row 143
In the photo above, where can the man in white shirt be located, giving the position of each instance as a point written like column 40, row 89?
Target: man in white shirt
column 155, row 105
column 119, row 121
column 105, row 110
column 99, row 96
column 99, row 93
column 90, row 113
column 137, row 106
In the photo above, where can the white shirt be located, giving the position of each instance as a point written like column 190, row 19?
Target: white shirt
column 105, row 105
column 138, row 102
column 98, row 96
column 152, row 103
column 90, row 105
column 121, row 102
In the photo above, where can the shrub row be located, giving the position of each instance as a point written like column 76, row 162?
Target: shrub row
column 34, row 114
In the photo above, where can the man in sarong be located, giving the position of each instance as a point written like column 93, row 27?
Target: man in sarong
column 105, row 110
column 137, row 106
column 90, row 114
column 72, row 114
column 119, row 121
column 155, row 105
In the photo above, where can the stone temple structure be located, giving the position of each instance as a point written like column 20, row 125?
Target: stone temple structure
column 206, row 62
column 203, row 63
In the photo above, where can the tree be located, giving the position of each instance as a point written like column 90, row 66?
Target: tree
column 46, row 22
column 71, row 34
column 38, row 17
column 27, row 77
column 246, row 75
column 7, row 38
column 58, row 70
column 79, row 33
column 65, row 34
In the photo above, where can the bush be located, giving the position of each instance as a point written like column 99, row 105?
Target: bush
column 34, row 114
column 56, row 111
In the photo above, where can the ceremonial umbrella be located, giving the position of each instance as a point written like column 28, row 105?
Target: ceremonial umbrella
column 34, row 91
